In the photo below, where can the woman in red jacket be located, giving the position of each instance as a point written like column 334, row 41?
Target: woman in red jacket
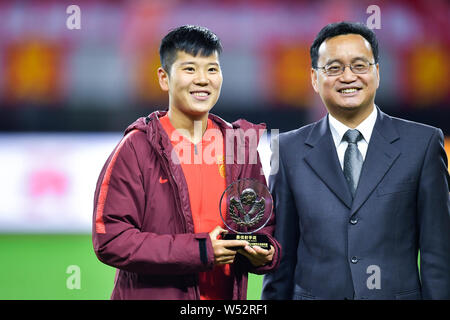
column 155, row 207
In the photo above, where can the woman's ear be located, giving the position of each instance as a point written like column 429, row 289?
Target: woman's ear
column 163, row 78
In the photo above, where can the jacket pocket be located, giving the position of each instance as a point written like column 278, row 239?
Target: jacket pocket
column 302, row 294
column 396, row 188
column 415, row 294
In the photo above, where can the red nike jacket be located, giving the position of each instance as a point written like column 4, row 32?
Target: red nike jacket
column 144, row 228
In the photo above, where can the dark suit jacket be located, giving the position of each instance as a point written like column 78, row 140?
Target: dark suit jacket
column 334, row 247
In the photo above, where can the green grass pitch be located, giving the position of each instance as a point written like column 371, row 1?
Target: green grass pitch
column 34, row 267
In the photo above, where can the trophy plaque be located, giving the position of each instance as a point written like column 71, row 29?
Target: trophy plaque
column 248, row 209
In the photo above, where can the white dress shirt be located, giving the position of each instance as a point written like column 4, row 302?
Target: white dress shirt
column 338, row 129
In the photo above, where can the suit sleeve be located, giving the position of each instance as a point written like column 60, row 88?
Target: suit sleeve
column 119, row 206
column 279, row 285
column 434, row 221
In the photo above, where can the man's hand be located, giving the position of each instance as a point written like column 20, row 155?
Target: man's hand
column 257, row 255
column 223, row 249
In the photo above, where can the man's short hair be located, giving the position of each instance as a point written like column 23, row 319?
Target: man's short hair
column 190, row 39
column 339, row 28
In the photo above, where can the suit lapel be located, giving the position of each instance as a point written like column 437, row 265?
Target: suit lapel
column 381, row 154
column 324, row 161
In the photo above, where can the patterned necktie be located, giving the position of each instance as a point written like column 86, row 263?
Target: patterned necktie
column 353, row 159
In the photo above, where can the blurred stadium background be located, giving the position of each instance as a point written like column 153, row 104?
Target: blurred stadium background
column 66, row 96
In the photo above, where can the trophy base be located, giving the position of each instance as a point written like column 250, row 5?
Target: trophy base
column 260, row 240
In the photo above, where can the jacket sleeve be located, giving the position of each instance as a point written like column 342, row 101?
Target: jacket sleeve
column 119, row 203
column 434, row 221
column 255, row 171
column 279, row 284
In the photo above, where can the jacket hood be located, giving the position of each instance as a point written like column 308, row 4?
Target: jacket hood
column 139, row 124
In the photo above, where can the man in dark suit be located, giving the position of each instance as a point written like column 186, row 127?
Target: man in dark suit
column 359, row 194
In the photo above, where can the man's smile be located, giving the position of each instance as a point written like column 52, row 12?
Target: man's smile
column 349, row 91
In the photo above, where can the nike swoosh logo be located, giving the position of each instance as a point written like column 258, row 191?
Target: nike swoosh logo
column 161, row 180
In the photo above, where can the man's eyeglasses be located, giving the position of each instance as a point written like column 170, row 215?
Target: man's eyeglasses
column 337, row 68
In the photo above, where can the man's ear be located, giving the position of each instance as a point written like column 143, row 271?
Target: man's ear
column 378, row 75
column 314, row 80
column 163, row 78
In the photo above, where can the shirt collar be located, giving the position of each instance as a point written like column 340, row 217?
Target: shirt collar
column 338, row 129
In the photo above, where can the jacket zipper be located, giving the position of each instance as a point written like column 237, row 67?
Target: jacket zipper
column 175, row 188
column 180, row 211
